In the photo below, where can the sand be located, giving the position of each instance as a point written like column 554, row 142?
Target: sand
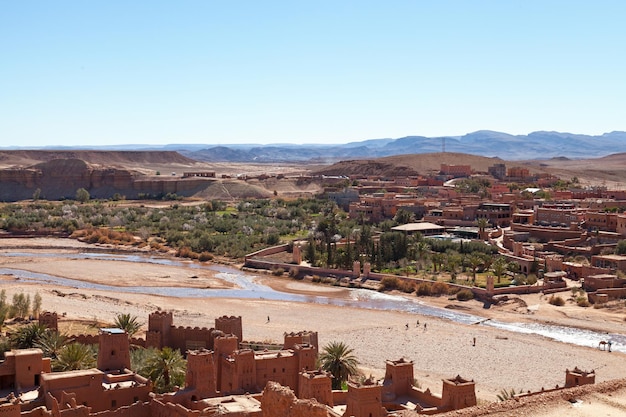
column 500, row 359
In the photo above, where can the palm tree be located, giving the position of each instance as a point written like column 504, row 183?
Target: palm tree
column 26, row 336
column 166, row 368
column 128, row 323
column 51, row 343
column 337, row 359
column 499, row 267
column 73, row 357
column 475, row 262
column 482, row 224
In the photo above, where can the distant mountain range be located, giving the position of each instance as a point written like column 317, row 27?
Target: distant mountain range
column 536, row 145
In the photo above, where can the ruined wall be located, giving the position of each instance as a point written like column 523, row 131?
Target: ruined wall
column 279, row 401
column 138, row 409
column 49, row 319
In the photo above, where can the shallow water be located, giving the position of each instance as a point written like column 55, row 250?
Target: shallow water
column 249, row 287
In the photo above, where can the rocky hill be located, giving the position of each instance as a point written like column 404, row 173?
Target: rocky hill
column 407, row 165
column 25, row 158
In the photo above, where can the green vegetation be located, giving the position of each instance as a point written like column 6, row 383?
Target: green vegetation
column 130, row 324
column 215, row 228
column 166, row 367
column 508, row 394
column 75, row 356
column 464, row 295
column 210, row 228
column 337, row 358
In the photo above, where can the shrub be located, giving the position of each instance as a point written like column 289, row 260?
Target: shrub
column 439, row 288
column 293, row 272
column 464, row 295
column 424, row 289
column 278, row 271
column 205, row 256
column 556, row 301
column 186, row 252
column 582, row 302
column 406, row 286
column 389, row 283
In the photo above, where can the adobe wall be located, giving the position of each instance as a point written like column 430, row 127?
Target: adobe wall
column 230, row 325
column 201, row 374
column 426, row 397
column 184, row 338
column 316, row 384
column 268, row 251
column 609, row 293
column 302, row 269
column 93, row 339
column 364, row 400
column 238, row 373
column 49, row 319
column 398, row 378
column 138, row 409
column 10, row 409
column 298, row 338
column 280, row 367
column 87, row 388
column 160, row 409
column 113, row 351
column 22, row 367
column 458, row 393
column 280, row 401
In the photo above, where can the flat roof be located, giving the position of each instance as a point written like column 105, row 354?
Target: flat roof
column 71, row 374
column 112, row 330
column 417, row 227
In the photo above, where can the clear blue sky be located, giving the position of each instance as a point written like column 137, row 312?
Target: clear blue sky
column 217, row 72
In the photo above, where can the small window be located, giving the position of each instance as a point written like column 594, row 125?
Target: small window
column 113, row 403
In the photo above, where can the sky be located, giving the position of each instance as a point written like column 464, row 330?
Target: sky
column 76, row 73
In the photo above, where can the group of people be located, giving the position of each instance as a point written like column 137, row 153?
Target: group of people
column 416, row 325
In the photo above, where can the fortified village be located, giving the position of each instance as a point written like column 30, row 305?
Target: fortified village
column 224, row 376
column 537, row 234
column 229, row 376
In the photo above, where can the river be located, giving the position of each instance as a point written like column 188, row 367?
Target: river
column 249, row 286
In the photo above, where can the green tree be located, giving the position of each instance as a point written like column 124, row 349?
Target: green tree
column 337, row 359
column 37, row 194
column 74, row 356
column 620, row 249
column 36, row 305
column 166, row 368
column 20, row 305
column 4, row 307
column 403, row 217
column 475, row 261
column 482, row 224
column 128, row 323
column 499, row 267
column 82, row 195
column 27, row 336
